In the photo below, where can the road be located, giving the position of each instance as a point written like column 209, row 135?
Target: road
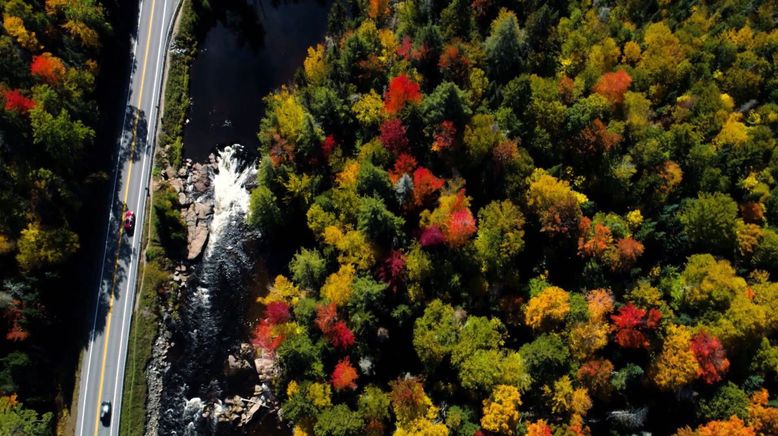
column 102, row 368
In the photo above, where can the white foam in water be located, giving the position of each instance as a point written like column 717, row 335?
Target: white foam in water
column 230, row 196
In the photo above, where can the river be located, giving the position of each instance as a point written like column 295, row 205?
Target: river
column 252, row 48
column 242, row 59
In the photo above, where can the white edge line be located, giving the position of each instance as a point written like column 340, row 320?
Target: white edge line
column 85, row 390
column 129, row 299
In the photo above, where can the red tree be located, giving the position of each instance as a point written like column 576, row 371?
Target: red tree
column 328, row 146
column 443, row 138
column 431, row 236
column 393, row 136
column 613, row 85
column 596, row 375
column 596, row 138
column 277, row 312
column 393, row 270
column 16, row 102
column 340, row 336
column 14, row 315
column 461, row 226
column 401, row 90
column 344, row 376
column 453, row 63
column 326, row 315
column 266, row 337
column 424, row 184
column 405, row 48
column 404, row 164
column 47, row 67
column 631, row 323
column 710, row 355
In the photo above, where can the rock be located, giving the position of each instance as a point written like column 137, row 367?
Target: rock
column 196, row 241
column 182, row 172
column 177, row 184
column 203, row 210
column 169, row 173
column 267, row 367
column 247, row 417
column 200, row 186
column 183, row 200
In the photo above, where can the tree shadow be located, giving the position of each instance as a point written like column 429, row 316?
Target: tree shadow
column 118, row 254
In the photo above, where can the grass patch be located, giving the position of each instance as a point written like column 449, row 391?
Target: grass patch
column 182, row 52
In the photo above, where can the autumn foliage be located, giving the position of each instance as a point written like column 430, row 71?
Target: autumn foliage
column 710, row 356
column 336, row 331
column 631, row 324
column 344, row 376
column 48, row 67
column 613, row 85
column 401, row 91
column 424, row 185
column 394, row 136
column 16, row 102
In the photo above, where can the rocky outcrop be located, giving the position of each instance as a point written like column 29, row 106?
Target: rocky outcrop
column 192, row 184
column 239, row 410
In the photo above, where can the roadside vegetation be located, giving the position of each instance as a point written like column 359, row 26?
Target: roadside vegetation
column 526, row 218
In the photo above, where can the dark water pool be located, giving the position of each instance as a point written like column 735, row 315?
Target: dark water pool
column 247, row 53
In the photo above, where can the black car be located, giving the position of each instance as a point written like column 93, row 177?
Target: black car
column 105, row 413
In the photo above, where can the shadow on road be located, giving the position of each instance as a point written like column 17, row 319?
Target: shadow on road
column 118, row 249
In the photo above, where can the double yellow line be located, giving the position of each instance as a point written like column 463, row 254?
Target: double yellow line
column 136, row 120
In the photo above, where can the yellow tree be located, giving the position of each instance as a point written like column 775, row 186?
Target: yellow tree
column 676, row 365
column 338, row 286
column 15, row 27
column 501, row 410
column 547, row 308
column 315, row 66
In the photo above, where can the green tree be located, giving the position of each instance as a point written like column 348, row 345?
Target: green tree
column 435, row 333
column 481, row 135
column 446, row 102
column 339, row 421
column 728, row 400
column 500, row 236
column 377, row 222
column 478, row 333
column 63, row 138
column 308, row 268
column 16, row 420
column 264, row 213
column 546, row 357
column 505, row 47
column 171, row 229
column 709, row 222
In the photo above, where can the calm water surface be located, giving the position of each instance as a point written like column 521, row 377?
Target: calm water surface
column 242, row 58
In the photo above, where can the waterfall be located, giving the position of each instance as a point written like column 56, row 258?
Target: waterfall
column 194, row 382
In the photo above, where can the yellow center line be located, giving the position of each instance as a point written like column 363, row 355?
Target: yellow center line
column 136, row 120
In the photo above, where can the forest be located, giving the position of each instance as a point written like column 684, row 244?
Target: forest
column 522, row 217
column 50, row 166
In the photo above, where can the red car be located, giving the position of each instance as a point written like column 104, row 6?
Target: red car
column 129, row 221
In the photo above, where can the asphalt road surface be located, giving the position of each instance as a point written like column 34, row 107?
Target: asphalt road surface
column 102, row 370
